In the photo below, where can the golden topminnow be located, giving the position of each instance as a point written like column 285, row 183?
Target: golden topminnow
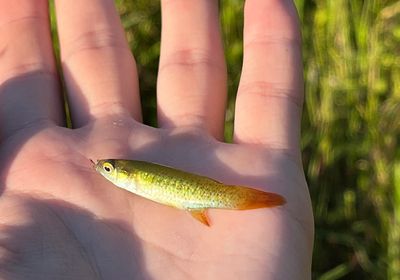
column 182, row 190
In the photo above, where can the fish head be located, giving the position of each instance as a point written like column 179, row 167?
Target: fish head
column 107, row 168
column 117, row 172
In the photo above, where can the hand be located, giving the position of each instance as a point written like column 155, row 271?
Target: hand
column 60, row 219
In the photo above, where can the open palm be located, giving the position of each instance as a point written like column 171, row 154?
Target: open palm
column 61, row 220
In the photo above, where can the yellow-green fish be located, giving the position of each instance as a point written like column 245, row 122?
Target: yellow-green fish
column 182, row 190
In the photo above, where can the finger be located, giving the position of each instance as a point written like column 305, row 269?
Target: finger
column 192, row 72
column 28, row 80
column 270, row 96
column 99, row 69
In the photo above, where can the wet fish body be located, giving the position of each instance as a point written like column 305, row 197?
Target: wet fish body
column 182, row 190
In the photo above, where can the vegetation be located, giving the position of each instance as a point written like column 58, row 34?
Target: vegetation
column 351, row 121
column 350, row 132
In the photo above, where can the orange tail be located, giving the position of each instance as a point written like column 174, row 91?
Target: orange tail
column 252, row 199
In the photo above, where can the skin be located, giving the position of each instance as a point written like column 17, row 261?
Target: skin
column 61, row 220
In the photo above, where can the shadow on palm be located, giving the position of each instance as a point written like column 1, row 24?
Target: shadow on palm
column 51, row 239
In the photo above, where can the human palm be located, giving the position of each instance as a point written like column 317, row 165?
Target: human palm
column 59, row 219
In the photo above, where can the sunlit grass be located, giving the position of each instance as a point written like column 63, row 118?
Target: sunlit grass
column 350, row 133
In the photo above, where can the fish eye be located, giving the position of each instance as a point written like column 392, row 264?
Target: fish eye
column 108, row 167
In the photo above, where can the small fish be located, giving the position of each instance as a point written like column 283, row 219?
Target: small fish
column 182, row 190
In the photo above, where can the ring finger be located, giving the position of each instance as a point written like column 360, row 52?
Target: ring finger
column 192, row 71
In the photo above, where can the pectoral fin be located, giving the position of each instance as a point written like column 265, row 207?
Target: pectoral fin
column 200, row 215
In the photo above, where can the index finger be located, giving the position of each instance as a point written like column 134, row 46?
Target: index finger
column 29, row 88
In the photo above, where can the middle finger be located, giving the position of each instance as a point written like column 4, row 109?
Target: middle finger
column 99, row 69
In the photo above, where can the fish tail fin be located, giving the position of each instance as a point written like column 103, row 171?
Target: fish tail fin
column 253, row 199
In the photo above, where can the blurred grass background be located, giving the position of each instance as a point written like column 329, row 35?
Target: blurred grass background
column 351, row 121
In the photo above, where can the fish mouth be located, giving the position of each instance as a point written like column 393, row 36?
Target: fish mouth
column 93, row 163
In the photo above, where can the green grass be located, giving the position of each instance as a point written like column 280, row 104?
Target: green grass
column 351, row 122
column 350, row 132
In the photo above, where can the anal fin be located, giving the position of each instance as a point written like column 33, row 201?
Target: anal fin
column 201, row 216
